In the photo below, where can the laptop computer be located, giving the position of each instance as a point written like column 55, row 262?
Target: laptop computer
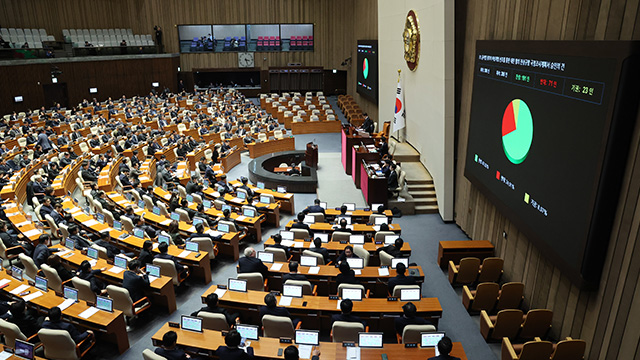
column 356, row 263
column 191, row 323
column 237, row 285
column 369, row 340
column 104, row 303
column 265, row 256
column 308, row 260
column 307, row 337
column 410, row 295
column 249, row 332
column 41, row 283
column 396, row 261
column 24, row 350
column 292, row 291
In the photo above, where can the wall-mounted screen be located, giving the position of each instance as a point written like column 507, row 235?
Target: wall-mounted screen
column 544, row 120
column 366, row 68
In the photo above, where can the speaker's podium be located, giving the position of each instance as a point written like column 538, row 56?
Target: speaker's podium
column 311, row 155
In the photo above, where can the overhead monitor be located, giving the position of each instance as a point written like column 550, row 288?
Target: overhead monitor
column 93, row 90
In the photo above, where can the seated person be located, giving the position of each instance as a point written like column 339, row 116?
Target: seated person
column 342, row 227
column 9, row 239
column 347, row 275
column 86, row 273
column 27, row 323
column 138, row 222
column 146, row 254
column 277, row 239
column 315, row 208
column 201, row 234
column 212, row 307
column 346, row 306
column 271, row 308
column 343, row 214
column 291, row 353
column 293, row 273
column 42, row 251
column 112, row 250
column 317, row 242
column 250, row 263
column 135, row 281
column 408, row 317
column 54, row 261
column 223, row 184
column 444, row 348
column 46, row 207
column 346, row 253
column 393, row 249
column 299, row 224
column 246, row 187
column 400, row 278
column 182, row 270
column 232, row 350
column 168, row 348
column 80, row 242
column 54, row 321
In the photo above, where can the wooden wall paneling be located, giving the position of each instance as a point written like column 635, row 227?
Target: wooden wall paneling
column 629, row 20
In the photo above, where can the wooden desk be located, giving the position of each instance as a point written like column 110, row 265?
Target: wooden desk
column 326, row 278
column 231, row 160
column 285, row 199
column 66, row 181
column 348, row 140
column 358, row 154
column 361, row 215
column 107, row 326
column 271, row 211
column 357, row 228
column 161, row 292
column 374, row 187
column 271, row 146
column 316, row 314
column 199, row 266
column 458, row 249
column 106, row 178
column 22, row 221
column 208, row 341
column 313, row 127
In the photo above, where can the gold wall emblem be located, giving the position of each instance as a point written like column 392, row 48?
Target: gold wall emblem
column 411, row 39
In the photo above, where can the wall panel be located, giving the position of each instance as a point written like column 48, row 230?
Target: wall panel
column 601, row 317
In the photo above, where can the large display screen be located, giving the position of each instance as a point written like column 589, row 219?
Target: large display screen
column 543, row 118
column 367, row 69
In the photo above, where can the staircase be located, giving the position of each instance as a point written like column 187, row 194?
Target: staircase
column 423, row 193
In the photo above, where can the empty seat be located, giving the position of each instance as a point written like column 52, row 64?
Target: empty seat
column 466, row 272
column 532, row 350
column 506, row 324
column 483, row 298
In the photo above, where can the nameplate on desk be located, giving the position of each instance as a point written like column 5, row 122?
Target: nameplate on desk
column 411, row 345
column 348, row 344
column 284, row 340
column 174, row 325
column 334, row 297
column 378, row 242
column 343, row 241
column 307, row 240
column 222, row 287
column 275, row 293
column 392, row 298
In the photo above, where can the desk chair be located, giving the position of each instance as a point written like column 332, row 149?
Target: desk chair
column 372, row 217
column 510, row 296
column 184, row 215
column 307, row 288
column 278, row 254
column 205, row 244
column 122, row 301
column 182, row 191
column 102, row 251
column 398, row 289
column 11, row 253
column 255, row 281
column 466, row 272
column 108, row 217
column 569, row 349
column 30, row 268
column 148, row 201
column 316, row 255
column 53, row 279
column 55, row 232
column 12, row 332
column 365, row 292
column 213, row 321
column 278, row 326
column 218, row 204
column 64, row 231
column 360, row 252
column 84, row 289
column 127, row 224
column 531, row 350
column 58, row 344
column 167, row 268
column 163, row 208
column 490, row 270
column 346, row 331
column 340, row 236
column 506, row 324
column 300, row 234
column 483, row 298
column 385, row 258
column 319, row 217
column 411, row 333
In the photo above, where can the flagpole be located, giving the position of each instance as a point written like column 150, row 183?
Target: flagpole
column 397, row 82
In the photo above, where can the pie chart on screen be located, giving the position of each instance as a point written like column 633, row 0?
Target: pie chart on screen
column 517, row 131
column 365, row 68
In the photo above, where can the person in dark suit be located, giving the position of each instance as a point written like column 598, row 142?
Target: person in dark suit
column 232, row 351
column 55, row 262
column 393, row 249
column 346, row 306
column 346, row 253
column 291, row 353
column 139, row 222
column 87, row 174
column 42, row 251
column 56, row 214
column 146, row 254
column 299, row 224
column 135, row 281
column 193, row 187
column 271, row 308
column 392, row 180
column 400, row 278
column 182, row 270
column 293, row 273
column 11, row 240
column 367, row 125
column 85, row 272
column 444, row 348
column 346, row 276
column 54, row 321
column 28, row 324
column 124, row 179
column 383, row 148
column 408, row 317
column 46, row 207
column 277, row 239
column 168, row 348
column 212, row 307
column 317, row 242
column 44, row 141
column 80, row 242
column 246, row 187
column 250, row 263
column 315, row 208
column 343, row 226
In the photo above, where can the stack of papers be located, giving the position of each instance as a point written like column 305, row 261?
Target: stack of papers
column 314, row 269
column 19, row 289
column 32, row 232
column 276, row 266
column 285, row 300
column 66, row 303
column 32, row 296
column 288, row 243
column 220, row 293
column 184, row 254
column 115, row 270
column 87, row 313
column 383, row 271
column 90, row 223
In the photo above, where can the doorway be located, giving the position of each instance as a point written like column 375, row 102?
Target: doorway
column 55, row 93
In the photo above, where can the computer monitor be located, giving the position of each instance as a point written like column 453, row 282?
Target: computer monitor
column 369, row 340
column 308, row 337
column 350, row 206
column 191, row 323
column 16, row 272
column 120, row 262
column 141, row 204
column 70, row 293
column 237, row 285
column 223, row 227
column 226, row 207
column 390, row 239
column 248, row 212
column 292, row 290
column 221, row 189
column 241, row 195
column 175, row 216
column 249, row 332
column 374, row 207
column 156, row 210
column 356, row 262
column 104, row 303
column 265, row 256
column 191, row 246
column 308, row 260
column 206, row 184
column 430, row 339
column 189, row 198
column 309, row 219
column 69, row 244
column 153, row 270
column 282, row 189
column 396, row 261
column 323, row 237
column 99, row 218
column 352, row 294
column 41, row 283
column 265, row 199
column 260, row 185
column 139, row 233
column 356, row 239
column 410, row 295
column 197, row 220
column 380, row 220
column 24, row 350
column 92, row 253
column 323, row 205
column 287, row 235
column 163, row 239
column 117, row 225
column 206, row 204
